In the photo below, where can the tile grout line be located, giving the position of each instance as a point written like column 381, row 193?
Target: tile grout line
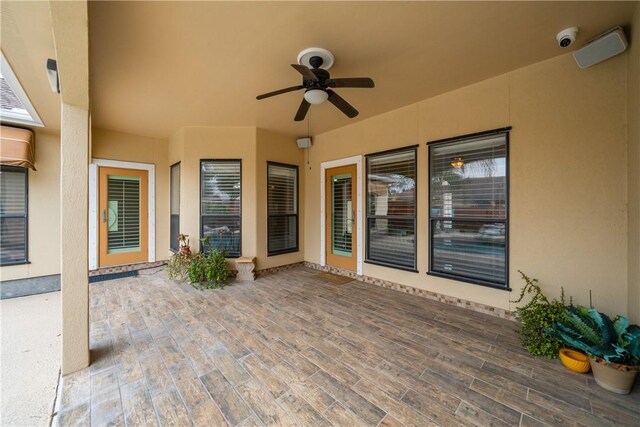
column 144, row 376
column 374, row 340
column 56, row 401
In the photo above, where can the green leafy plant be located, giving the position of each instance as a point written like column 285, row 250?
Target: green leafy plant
column 535, row 317
column 596, row 334
column 208, row 269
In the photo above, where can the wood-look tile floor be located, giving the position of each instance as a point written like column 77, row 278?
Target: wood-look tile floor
column 293, row 349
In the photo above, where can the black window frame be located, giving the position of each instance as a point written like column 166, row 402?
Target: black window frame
column 431, row 219
column 239, row 161
column 368, row 216
column 25, row 171
column 171, row 237
column 296, row 215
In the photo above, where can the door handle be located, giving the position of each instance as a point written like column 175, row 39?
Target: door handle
column 104, row 215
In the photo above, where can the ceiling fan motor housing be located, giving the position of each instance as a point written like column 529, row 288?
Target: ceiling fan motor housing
column 316, row 61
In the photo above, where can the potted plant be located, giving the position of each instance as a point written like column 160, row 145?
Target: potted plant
column 208, row 269
column 574, row 360
column 183, row 242
column 535, row 316
column 613, row 346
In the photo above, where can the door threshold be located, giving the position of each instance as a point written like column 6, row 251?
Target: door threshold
column 126, row 267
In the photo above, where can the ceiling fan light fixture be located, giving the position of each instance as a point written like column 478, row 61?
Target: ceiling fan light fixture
column 316, row 96
column 457, row 162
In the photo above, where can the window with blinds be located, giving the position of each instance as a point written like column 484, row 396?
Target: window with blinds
column 391, row 209
column 13, row 215
column 123, row 214
column 174, row 203
column 468, row 208
column 220, row 205
column 282, row 208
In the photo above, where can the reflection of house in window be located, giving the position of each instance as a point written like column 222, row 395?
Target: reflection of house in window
column 468, row 208
column 282, row 208
column 391, row 208
column 220, row 201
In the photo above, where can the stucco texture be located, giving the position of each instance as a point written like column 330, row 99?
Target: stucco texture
column 44, row 213
column 568, row 218
column 633, row 132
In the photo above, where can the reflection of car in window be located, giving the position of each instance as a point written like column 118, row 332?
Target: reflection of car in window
column 492, row 229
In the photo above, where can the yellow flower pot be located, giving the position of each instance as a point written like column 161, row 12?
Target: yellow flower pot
column 574, row 360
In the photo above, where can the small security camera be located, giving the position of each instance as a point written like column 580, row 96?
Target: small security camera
column 567, row 36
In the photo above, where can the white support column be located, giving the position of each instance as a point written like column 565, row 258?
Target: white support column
column 70, row 22
column 74, row 205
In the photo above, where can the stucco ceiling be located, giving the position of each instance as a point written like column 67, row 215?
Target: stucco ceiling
column 158, row 66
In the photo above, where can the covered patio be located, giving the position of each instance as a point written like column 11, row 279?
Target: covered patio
column 304, row 347
column 385, row 168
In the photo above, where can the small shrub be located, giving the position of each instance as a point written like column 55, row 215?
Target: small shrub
column 535, row 317
column 208, row 270
column 178, row 264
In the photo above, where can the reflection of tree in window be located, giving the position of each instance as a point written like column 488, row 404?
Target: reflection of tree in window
column 468, row 208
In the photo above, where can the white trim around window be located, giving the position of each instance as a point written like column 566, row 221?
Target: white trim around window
column 93, row 205
column 30, row 118
column 334, row 164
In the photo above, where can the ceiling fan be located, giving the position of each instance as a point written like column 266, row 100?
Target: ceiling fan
column 313, row 64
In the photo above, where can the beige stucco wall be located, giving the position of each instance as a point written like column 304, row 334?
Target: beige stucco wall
column 272, row 147
column 568, row 221
column 254, row 147
column 125, row 147
column 633, row 131
column 189, row 146
column 44, row 212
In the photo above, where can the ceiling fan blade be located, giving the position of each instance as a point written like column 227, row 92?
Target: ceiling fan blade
column 302, row 110
column 305, row 71
column 342, row 105
column 278, row 92
column 352, row 82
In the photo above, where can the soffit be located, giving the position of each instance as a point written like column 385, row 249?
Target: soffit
column 27, row 42
column 158, row 66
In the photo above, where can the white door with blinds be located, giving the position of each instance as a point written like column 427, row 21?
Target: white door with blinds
column 123, row 216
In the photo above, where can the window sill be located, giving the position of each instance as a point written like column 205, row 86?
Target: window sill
column 469, row 280
column 396, row 267
column 9, row 264
column 283, row 252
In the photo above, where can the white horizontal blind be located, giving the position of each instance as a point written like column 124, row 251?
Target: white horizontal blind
column 391, row 209
column 468, row 208
column 13, row 215
column 282, row 208
column 174, row 208
column 123, row 214
column 220, row 205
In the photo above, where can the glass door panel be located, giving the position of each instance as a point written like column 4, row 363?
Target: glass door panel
column 341, row 218
column 341, row 214
column 123, row 214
